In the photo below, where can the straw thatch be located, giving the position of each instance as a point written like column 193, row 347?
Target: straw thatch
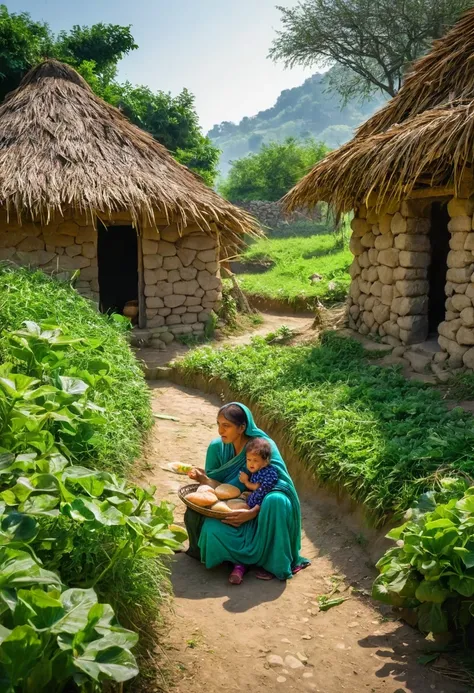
column 424, row 136
column 62, row 147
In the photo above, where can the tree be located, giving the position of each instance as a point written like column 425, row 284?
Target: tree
column 95, row 52
column 371, row 42
column 269, row 174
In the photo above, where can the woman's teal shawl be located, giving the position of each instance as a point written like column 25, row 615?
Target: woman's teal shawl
column 222, row 464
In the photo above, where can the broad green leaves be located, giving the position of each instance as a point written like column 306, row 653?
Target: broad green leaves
column 434, row 557
column 49, row 633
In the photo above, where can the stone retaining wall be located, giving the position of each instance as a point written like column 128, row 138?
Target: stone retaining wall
column 271, row 215
column 389, row 290
column 181, row 271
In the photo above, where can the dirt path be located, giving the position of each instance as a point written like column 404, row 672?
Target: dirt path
column 231, row 638
column 271, row 322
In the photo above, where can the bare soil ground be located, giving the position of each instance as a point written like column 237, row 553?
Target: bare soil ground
column 271, row 636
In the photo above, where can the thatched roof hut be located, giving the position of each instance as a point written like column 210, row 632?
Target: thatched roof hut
column 423, row 137
column 408, row 176
column 81, row 188
column 62, row 146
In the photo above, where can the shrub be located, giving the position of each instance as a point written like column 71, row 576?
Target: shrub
column 33, row 296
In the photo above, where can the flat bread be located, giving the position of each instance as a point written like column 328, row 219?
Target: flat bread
column 221, row 507
column 205, row 488
column 227, row 491
column 204, row 499
column 237, row 504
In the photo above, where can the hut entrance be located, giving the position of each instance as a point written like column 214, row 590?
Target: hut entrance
column 117, row 257
column 439, row 240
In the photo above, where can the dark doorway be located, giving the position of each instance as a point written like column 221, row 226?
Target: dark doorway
column 439, row 239
column 117, row 256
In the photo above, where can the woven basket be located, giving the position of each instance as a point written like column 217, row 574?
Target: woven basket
column 207, row 512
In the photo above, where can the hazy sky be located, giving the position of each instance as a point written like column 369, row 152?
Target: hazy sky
column 215, row 48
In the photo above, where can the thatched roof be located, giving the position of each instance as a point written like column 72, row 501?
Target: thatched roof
column 61, row 146
column 424, row 136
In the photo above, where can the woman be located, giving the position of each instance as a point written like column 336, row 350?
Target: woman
column 268, row 536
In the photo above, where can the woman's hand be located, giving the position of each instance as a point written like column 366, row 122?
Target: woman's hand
column 239, row 517
column 197, row 474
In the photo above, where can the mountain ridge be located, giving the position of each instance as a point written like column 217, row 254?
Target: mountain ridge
column 308, row 110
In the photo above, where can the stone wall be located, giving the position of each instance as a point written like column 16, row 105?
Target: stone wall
column 65, row 245
column 389, row 291
column 270, row 214
column 182, row 281
column 181, row 271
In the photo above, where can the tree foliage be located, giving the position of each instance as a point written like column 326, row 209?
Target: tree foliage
column 95, row 52
column 269, row 174
column 371, row 42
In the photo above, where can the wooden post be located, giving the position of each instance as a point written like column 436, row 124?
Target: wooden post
column 141, row 284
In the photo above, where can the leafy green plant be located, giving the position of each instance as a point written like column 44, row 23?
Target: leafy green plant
column 431, row 570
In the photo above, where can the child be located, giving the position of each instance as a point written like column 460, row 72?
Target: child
column 264, row 476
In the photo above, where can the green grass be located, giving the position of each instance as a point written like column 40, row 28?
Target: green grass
column 384, row 439
column 296, row 260
column 26, row 295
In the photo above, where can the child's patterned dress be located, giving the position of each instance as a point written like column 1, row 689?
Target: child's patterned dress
column 267, row 478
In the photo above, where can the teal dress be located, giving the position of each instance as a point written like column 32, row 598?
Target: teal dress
column 273, row 539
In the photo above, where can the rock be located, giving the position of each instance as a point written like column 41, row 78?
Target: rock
column 186, row 256
column 384, row 241
column 170, row 234
column 385, row 222
column 86, row 235
column 440, row 357
column 355, row 246
column 152, row 261
column 401, row 273
column 68, row 228
column 150, row 277
column 157, row 343
column 449, row 328
column 413, row 242
column 59, row 240
column 387, row 295
column 459, row 258
column 385, row 274
column 467, row 316
column 465, row 336
column 166, row 249
column 157, row 321
column 373, row 254
column 198, row 241
column 381, row 313
column 442, row 375
column 78, row 262
column 163, row 288
column 364, row 259
column 31, row 243
column 173, row 276
column 281, row 679
column 462, row 223
column 164, row 311
column 173, row 320
column 469, row 243
column 188, row 273
column 171, row 263
column 398, row 225
column 207, row 281
column 207, row 255
column 470, row 291
column 186, row 288
column 418, row 226
column 181, row 329
column 398, row 351
column 468, row 359
column 459, row 302
column 389, row 257
column 275, row 660
column 370, row 274
column 167, row 337
column 149, row 247
column 359, row 227
column 417, row 305
column 418, row 362
column 174, row 300
column 459, row 275
column 417, row 287
column 458, row 207
column 376, row 289
column 302, row 657
column 416, row 208
column 454, row 349
column 293, row 663
column 460, row 288
column 458, row 240
column 154, row 302
column 416, row 327
column 368, row 318
column 368, row 240
column 408, row 258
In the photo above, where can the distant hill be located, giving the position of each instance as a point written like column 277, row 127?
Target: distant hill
column 301, row 112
